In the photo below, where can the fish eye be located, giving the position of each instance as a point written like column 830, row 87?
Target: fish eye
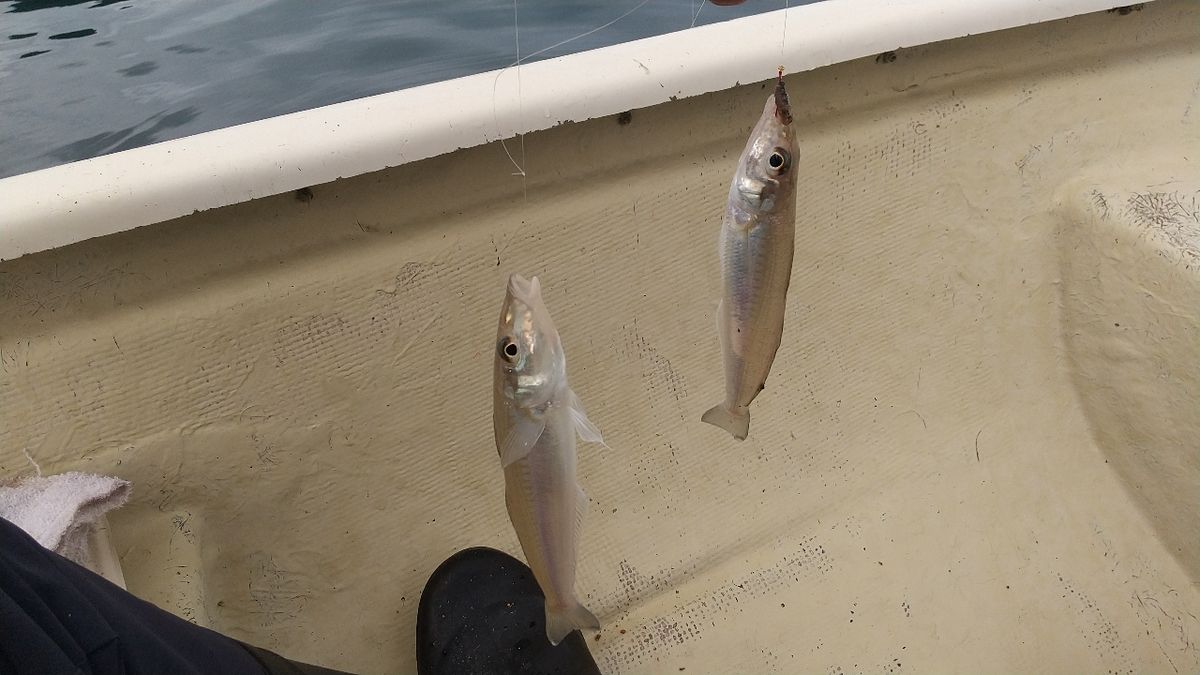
column 508, row 349
column 779, row 160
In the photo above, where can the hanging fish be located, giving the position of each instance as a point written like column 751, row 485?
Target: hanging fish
column 757, row 239
column 535, row 417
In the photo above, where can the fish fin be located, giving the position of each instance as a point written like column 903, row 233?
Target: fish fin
column 720, row 324
column 520, row 439
column 581, row 506
column 730, row 343
column 560, row 621
column 526, row 290
column 583, row 426
column 508, row 502
column 736, row 422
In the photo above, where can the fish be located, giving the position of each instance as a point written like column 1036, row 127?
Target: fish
column 755, row 248
column 536, row 417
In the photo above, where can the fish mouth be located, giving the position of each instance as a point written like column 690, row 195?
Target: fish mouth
column 783, row 109
column 751, row 193
column 758, row 192
column 520, row 287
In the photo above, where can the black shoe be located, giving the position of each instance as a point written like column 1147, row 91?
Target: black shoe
column 482, row 613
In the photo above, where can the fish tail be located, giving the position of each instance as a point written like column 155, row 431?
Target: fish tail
column 736, row 420
column 560, row 621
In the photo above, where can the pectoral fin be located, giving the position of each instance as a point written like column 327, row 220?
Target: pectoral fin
column 583, row 426
column 521, row 438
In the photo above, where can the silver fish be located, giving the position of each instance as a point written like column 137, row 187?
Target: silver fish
column 757, row 240
column 535, row 417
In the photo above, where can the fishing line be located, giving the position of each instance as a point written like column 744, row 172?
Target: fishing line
column 520, row 106
column 783, row 41
column 520, row 168
column 32, row 461
column 640, row 5
column 697, row 14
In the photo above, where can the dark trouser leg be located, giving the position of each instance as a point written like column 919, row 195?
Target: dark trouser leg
column 57, row 617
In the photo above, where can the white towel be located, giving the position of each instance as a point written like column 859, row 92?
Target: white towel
column 63, row 512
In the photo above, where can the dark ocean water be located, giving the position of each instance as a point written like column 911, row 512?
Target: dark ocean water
column 81, row 78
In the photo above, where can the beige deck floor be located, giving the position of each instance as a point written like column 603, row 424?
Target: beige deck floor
column 977, row 451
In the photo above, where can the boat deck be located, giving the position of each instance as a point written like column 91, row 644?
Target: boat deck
column 976, row 452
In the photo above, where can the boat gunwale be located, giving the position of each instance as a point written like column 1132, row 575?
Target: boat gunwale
column 112, row 193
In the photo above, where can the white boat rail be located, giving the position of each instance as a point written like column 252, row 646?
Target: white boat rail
column 65, row 204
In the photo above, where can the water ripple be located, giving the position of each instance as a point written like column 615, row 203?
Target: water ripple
column 116, row 74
